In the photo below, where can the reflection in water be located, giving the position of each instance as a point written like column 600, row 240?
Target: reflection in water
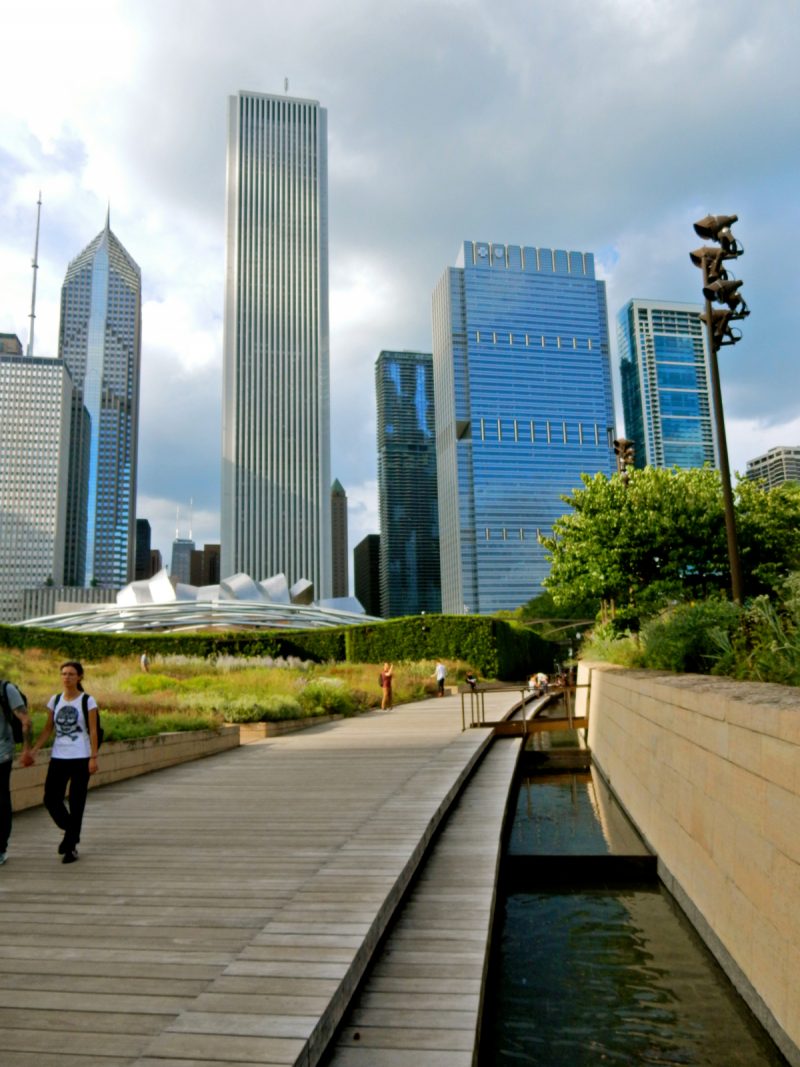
column 589, row 978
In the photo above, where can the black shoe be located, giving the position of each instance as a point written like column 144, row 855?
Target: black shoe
column 71, row 856
column 64, row 846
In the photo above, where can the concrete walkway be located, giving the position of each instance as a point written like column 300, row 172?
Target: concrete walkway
column 224, row 911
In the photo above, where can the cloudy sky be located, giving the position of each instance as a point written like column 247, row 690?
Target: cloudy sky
column 607, row 126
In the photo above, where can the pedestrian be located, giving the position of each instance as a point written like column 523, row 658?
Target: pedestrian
column 144, row 662
column 386, row 685
column 13, row 704
column 471, row 680
column 73, row 758
column 440, row 673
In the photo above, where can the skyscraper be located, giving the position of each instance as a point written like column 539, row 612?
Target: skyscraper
column 100, row 341
column 366, row 573
column 340, row 570
column 36, row 397
column 523, row 407
column 407, row 494
column 276, row 418
column 664, row 373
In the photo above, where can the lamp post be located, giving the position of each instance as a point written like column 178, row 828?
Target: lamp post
column 719, row 287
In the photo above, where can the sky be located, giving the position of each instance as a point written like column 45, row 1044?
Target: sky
column 608, row 127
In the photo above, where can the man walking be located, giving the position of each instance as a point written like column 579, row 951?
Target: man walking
column 12, row 705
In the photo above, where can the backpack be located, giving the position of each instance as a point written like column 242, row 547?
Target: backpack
column 12, row 720
column 85, row 706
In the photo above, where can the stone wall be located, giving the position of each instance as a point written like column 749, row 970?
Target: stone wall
column 709, row 771
column 126, row 759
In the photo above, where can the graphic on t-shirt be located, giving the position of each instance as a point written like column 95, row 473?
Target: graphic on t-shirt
column 67, row 722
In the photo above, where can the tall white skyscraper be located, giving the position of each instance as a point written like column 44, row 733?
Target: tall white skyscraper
column 276, row 407
column 36, row 397
column 100, row 341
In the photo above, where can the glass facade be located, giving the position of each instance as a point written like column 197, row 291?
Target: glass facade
column 276, row 410
column 524, row 406
column 664, row 374
column 100, row 341
column 407, row 497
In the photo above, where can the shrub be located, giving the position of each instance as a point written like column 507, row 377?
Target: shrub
column 148, row 683
column 327, row 696
column 267, row 709
column 687, row 637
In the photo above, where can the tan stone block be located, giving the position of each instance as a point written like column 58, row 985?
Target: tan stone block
column 781, row 763
column 745, row 748
column 744, row 795
column 768, row 968
column 782, row 820
column 789, row 725
column 753, row 867
column 785, row 906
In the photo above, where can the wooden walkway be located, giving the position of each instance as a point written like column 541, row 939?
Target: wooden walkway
column 225, row 911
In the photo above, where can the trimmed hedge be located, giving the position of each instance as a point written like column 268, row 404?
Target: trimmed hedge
column 495, row 648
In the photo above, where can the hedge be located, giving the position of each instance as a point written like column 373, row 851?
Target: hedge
column 495, row 648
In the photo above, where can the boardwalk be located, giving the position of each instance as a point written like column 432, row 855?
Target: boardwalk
column 223, row 911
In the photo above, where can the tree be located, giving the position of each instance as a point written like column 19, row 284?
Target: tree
column 662, row 538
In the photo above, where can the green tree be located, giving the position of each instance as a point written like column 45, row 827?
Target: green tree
column 662, row 538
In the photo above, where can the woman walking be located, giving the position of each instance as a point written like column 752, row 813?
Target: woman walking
column 73, row 715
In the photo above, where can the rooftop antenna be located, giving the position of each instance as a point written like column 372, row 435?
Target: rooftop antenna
column 191, row 515
column 286, row 85
column 178, row 522
column 35, row 265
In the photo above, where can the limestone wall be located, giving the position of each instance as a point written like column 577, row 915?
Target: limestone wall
column 126, row 759
column 709, row 770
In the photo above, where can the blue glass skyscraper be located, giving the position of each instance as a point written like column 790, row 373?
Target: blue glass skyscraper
column 100, row 341
column 407, row 496
column 664, row 373
column 524, row 406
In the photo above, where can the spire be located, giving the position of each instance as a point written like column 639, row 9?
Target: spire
column 35, row 265
column 108, row 217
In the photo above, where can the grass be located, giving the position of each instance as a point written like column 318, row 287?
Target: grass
column 190, row 693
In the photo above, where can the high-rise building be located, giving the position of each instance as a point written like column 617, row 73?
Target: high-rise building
column 276, row 407
column 141, row 569
column 407, row 484
column 180, row 568
column 100, row 341
column 778, row 465
column 36, row 398
column 366, row 573
column 340, row 570
column 205, row 566
column 664, row 372
column 524, row 406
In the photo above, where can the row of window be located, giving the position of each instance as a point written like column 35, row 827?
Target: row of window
column 591, row 434
column 528, row 340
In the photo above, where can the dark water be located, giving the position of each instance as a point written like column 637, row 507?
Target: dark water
column 605, row 976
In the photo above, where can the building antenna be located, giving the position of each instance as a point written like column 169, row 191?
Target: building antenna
column 286, row 85
column 191, row 515
column 177, row 522
column 35, row 265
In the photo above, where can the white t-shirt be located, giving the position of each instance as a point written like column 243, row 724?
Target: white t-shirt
column 72, row 731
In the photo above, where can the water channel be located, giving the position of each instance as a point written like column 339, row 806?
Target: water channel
column 593, row 961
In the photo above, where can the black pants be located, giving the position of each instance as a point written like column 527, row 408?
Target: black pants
column 60, row 774
column 5, row 803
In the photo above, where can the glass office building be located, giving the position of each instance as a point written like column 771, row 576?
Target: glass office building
column 664, row 373
column 524, row 406
column 100, row 341
column 407, row 496
column 276, row 409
